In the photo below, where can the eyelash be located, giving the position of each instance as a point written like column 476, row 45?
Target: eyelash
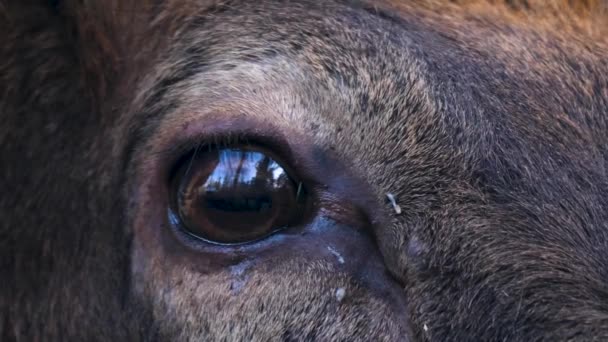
column 188, row 149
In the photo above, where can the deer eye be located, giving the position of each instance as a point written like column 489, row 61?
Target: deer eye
column 235, row 195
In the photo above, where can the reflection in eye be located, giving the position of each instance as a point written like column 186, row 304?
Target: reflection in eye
column 234, row 195
column 237, row 166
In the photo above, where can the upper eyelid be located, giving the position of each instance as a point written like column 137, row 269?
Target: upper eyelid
column 187, row 149
column 190, row 149
column 220, row 129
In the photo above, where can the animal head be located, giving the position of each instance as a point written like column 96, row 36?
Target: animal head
column 304, row 170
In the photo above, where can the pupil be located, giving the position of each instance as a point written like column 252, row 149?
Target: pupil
column 237, row 195
column 235, row 205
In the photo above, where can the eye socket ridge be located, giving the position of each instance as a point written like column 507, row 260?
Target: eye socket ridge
column 235, row 194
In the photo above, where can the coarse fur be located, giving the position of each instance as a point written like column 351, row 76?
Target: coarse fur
column 486, row 120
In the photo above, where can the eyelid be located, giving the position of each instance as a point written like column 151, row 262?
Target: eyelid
column 233, row 131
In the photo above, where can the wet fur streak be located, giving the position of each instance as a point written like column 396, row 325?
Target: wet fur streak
column 485, row 120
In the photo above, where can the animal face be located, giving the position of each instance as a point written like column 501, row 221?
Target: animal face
column 303, row 170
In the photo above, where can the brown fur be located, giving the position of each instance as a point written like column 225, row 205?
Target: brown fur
column 486, row 119
column 586, row 17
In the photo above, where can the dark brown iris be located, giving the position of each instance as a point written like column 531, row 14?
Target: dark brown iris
column 235, row 195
